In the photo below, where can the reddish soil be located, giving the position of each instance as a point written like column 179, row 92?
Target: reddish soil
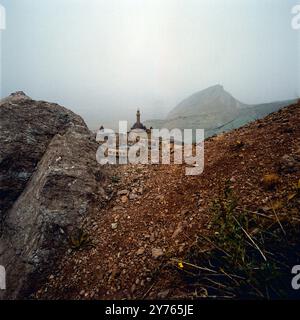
column 163, row 210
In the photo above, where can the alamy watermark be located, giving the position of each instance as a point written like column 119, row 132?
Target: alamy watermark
column 2, row 18
column 2, row 278
column 155, row 146
column 296, row 278
column 295, row 23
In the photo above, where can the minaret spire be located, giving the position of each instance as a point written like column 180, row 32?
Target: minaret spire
column 138, row 117
column 138, row 124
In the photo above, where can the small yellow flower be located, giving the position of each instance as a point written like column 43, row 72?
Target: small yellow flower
column 180, row 265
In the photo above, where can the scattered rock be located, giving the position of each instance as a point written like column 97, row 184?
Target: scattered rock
column 117, row 208
column 133, row 288
column 133, row 196
column 178, row 230
column 141, row 190
column 114, row 226
column 123, row 192
column 124, row 199
column 82, row 293
column 289, row 164
column 157, row 252
column 163, row 294
column 140, row 251
column 152, row 237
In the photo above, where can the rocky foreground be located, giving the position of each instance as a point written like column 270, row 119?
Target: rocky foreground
column 71, row 229
column 49, row 180
column 155, row 214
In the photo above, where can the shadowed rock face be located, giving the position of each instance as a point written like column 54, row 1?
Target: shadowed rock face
column 27, row 127
column 50, row 180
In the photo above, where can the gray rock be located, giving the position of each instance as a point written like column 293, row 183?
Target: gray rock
column 43, row 199
column 123, row 192
column 163, row 294
column 289, row 163
column 27, row 128
column 133, row 196
column 114, row 226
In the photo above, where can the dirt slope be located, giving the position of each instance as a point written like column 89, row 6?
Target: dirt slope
column 154, row 213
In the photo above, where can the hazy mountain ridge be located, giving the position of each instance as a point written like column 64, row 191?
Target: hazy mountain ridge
column 214, row 110
column 206, row 101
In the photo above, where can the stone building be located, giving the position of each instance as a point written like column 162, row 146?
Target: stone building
column 138, row 125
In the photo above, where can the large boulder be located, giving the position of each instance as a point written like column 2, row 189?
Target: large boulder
column 50, row 181
column 26, row 129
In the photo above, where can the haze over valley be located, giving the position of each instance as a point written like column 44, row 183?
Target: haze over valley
column 104, row 59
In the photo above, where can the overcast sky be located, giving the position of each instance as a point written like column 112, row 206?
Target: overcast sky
column 105, row 58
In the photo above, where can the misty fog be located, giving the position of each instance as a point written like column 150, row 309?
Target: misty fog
column 104, row 59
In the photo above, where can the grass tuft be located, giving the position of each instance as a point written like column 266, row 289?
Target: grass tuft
column 79, row 240
column 270, row 181
column 246, row 255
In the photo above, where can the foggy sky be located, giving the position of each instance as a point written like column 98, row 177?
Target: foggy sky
column 105, row 58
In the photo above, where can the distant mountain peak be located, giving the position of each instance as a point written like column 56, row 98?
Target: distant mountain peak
column 215, row 110
column 212, row 90
column 217, row 87
column 211, row 100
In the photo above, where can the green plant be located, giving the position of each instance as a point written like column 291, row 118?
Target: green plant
column 296, row 192
column 246, row 255
column 270, row 181
column 80, row 239
column 115, row 179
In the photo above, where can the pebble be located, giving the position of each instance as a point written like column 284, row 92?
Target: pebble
column 114, row 226
column 140, row 251
column 157, row 252
column 124, row 199
column 163, row 294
